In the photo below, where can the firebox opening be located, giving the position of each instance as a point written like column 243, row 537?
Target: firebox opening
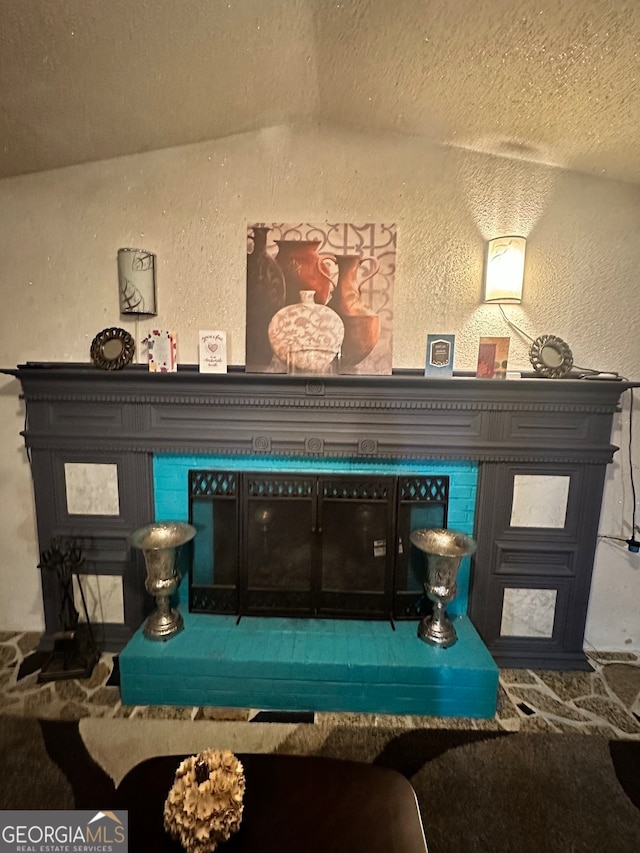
column 311, row 545
column 279, row 505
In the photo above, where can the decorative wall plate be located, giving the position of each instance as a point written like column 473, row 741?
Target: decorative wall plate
column 551, row 356
column 112, row 349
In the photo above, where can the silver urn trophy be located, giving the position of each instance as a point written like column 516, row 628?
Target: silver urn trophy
column 160, row 544
column 444, row 549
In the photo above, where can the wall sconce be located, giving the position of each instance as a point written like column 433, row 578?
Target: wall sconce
column 137, row 281
column 504, row 271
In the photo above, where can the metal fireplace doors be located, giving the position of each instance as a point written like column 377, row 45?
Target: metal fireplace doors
column 306, row 544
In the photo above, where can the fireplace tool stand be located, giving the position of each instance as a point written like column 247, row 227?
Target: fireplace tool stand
column 74, row 653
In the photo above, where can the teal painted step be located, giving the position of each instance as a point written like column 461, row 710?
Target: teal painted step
column 275, row 663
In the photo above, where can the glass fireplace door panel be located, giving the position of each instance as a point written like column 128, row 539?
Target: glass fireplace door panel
column 215, row 548
column 416, row 513
column 213, row 571
column 356, row 522
column 279, row 544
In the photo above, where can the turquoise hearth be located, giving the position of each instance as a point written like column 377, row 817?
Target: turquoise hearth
column 311, row 665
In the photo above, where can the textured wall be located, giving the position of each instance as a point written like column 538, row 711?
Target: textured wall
column 61, row 231
column 551, row 81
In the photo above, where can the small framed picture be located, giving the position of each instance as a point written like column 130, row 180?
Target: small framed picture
column 493, row 354
column 162, row 348
column 440, row 350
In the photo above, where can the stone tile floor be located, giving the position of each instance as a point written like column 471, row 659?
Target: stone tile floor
column 604, row 702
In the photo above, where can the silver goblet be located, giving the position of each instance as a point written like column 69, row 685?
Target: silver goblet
column 444, row 549
column 160, row 544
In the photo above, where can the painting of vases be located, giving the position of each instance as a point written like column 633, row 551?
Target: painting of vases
column 320, row 298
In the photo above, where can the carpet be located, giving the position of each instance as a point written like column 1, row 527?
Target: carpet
column 479, row 792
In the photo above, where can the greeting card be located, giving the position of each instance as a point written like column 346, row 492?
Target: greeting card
column 440, row 349
column 213, row 352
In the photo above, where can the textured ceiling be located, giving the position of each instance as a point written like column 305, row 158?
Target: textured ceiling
column 554, row 81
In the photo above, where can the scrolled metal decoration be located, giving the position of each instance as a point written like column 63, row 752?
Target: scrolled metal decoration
column 63, row 557
column 112, row 349
column 551, row 357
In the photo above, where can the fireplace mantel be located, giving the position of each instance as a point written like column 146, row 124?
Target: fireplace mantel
column 406, row 415
column 528, row 426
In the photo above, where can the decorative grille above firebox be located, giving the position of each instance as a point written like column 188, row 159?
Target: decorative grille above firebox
column 329, row 545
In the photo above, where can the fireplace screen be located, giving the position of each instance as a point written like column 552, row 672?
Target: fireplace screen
column 311, row 545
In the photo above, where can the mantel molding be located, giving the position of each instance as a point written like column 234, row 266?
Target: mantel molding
column 317, row 403
column 406, row 415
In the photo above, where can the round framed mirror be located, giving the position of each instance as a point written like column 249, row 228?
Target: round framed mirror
column 112, row 349
column 551, row 357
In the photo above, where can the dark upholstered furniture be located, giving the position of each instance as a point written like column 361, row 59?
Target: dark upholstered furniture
column 293, row 804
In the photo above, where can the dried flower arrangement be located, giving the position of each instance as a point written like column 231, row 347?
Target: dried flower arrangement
column 204, row 806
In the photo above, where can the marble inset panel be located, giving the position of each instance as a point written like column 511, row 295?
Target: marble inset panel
column 528, row 612
column 104, row 597
column 92, row 488
column 539, row 500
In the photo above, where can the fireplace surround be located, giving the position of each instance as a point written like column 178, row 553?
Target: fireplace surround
column 530, row 577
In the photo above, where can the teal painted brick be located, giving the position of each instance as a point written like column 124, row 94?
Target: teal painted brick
column 463, row 484
column 334, row 698
column 345, row 665
column 460, row 515
column 462, row 501
column 166, row 462
column 171, row 493
column 169, row 476
column 457, row 520
column 461, row 493
column 170, row 505
column 383, row 671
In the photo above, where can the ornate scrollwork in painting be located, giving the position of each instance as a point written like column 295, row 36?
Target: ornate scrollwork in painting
column 112, row 349
column 551, row 357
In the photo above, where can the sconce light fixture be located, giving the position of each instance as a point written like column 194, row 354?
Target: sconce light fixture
column 137, row 281
column 504, row 270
